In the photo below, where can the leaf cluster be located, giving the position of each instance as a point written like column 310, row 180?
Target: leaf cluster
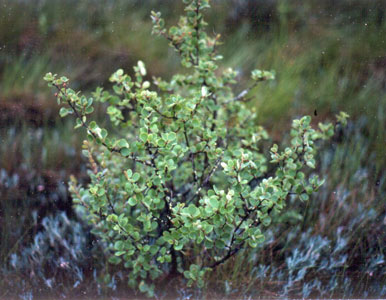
column 180, row 184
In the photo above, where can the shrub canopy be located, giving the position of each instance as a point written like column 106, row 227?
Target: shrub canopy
column 179, row 182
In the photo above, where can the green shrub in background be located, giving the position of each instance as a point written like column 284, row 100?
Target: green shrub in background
column 180, row 184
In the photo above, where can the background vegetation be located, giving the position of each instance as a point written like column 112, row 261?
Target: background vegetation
column 328, row 56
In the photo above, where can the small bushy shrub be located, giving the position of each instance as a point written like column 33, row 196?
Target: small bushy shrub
column 338, row 248
column 179, row 184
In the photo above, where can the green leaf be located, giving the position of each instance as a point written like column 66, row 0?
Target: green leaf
column 64, row 79
column 119, row 245
column 129, row 173
column 266, row 220
column 311, row 164
column 252, row 243
column 49, row 77
column 93, row 125
column 214, row 202
column 171, row 136
column 193, row 210
column 125, row 151
column 112, row 218
column 115, row 260
column 135, row 177
column 103, row 133
column 119, row 253
column 132, row 201
column 101, row 192
column 143, row 136
column 64, row 112
column 89, row 110
column 122, row 143
column 304, row 197
column 178, row 247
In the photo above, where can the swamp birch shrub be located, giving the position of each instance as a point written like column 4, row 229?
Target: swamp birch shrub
column 179, row 184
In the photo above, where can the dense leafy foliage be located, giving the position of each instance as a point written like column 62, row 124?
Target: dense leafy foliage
column 180, row 184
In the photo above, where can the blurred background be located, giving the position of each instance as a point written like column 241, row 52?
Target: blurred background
column 328, row 56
